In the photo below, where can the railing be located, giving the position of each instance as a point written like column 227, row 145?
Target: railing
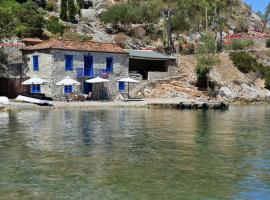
column 82, row 73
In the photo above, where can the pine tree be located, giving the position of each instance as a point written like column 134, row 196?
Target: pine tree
column 63, row 12
column 71, row 11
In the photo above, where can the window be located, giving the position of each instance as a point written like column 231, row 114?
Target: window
column 69, row 63
column 109, row 64
column 35, row 88
column 35, row 63
column 121, row 86
column 68, row 89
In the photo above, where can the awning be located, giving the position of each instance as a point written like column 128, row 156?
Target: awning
column 35, row 81
column 147, row 54
column 68, row 81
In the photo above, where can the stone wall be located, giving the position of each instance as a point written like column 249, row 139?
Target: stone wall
column 45, row 61
column 52, row 68
column 158, row 75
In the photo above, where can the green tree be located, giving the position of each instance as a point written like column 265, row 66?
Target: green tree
column 31, row 19
column 6, row 23
column 71, row 11
column 63, row 12
column 206, row 59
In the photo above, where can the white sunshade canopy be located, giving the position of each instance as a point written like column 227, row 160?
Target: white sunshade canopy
column 35, row 81
column 97, row 80
column 128, row 80
column 67, row 81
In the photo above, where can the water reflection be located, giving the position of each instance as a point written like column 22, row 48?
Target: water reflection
column 135, row 154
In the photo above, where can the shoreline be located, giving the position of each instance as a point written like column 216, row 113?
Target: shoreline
column 168, row 103
column 172, row 103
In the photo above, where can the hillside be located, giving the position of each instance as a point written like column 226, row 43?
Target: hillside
column 230, row 83
column 89, row 25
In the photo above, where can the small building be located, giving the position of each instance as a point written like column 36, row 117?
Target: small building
column 55, row 59
column 10, row 75
column 151, row 65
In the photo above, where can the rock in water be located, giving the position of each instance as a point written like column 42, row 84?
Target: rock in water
column 4, row 100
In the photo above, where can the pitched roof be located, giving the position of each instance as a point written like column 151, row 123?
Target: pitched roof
column 73, row 45
column 35, row 40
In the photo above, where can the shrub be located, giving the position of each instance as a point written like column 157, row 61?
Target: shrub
column 240, row 44
column 202, row 73
column 131, row 12
column 243, row 61
column 247, row 63
column 267, row 81
column 268, row 43
column 54, row 26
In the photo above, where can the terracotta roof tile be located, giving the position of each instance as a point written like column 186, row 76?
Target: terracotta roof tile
column 36, row 40
column 76, row 46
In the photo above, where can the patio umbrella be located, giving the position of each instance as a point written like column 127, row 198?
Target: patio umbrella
column 68, row 81
column 35, row 81
column 128, row 80
column 97, row 80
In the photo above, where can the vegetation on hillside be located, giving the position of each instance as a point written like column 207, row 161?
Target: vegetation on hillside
column 18, row 19
column 180, row 16
column 246, row 63
column 69, row 9
column 206, row 59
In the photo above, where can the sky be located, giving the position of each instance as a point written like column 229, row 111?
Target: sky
column 258, row 5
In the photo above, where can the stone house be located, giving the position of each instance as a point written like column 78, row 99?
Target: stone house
column 56, row 59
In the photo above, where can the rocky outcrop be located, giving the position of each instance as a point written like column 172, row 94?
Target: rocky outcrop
column 226, row 93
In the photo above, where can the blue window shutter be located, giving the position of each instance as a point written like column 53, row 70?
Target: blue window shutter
column 109, row 64
column 36, row 89
column 121, row 86
column 35, row 63
column 68, row 89
column 69, row 63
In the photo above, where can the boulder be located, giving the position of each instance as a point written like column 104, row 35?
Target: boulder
column 4, row 100
column 89, row 15
column 253, row 93
column 225, row 92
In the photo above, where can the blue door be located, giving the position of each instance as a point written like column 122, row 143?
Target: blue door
column 87, row 87
column 88, row 66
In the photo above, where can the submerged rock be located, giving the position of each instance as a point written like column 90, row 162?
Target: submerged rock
column 203, row 105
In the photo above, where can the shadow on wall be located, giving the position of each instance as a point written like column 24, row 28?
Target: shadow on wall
column 12, row 87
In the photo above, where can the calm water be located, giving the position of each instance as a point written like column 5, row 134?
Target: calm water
column 140, row 154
